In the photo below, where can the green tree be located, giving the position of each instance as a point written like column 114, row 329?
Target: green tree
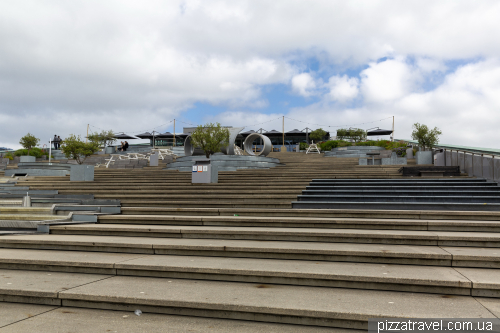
column 29, row 141
column 318, row 135
column 426, row 138
column 73, row 147
column 103, row 139
column 210, row 137
column 354, row 134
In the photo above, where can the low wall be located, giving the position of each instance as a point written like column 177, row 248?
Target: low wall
column 473, row 164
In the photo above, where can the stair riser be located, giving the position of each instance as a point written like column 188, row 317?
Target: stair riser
column 396, row 206
column 287, row 238
column 361, row 198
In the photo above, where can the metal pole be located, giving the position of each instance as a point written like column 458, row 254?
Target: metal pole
column 174, row 135
column 392, row 128
column 472, row 164
column 284, row 132
column 50, row 150
column 482, row 167
column 87, row 133
column 153, row 139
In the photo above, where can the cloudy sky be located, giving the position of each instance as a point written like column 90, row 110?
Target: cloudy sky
column 133, row 66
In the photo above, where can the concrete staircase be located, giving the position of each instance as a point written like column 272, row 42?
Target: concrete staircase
column 409, row 193
column 304, row 270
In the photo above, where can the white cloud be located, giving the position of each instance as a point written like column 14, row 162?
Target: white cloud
column 387, row 80
column 303, row 84
column 126, row 65
column 343, row 88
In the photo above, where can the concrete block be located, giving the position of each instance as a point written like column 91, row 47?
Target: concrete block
column 409, row 153
column 424, row 157
column 363, row 161
column 4, row 161
column 27, row 159
column 153, row 159
column 82, row 173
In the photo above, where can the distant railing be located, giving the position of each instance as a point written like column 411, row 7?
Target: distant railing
column 478, row 162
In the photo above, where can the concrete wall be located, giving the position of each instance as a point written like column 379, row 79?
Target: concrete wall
column 479, row 166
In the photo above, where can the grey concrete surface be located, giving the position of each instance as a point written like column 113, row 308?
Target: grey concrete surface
column 310, row 302
column 46, row 259
column 355, row 272
column 492, row 304
column 11, row 313
column 75, row 320
column 482, row 278
column 41, row 284
column 474, row 257
column 240, row 248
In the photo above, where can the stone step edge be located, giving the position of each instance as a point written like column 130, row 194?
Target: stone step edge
column 415, row 214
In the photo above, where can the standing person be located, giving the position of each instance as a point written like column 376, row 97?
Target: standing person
column 54, row 141
column 59, row 140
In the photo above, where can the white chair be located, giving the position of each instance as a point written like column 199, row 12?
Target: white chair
column 313, row 148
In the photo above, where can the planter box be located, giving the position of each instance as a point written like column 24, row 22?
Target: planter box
column 110, row 150
column 424, row 157
column 27, row 159
column 81, row 173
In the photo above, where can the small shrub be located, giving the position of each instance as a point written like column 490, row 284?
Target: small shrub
column 29, row 141
column 9, row 156
column 329, row 145
column 303, row 146
column 73, row 147
column 37, row 152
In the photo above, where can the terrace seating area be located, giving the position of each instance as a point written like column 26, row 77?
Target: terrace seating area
column 236, row 257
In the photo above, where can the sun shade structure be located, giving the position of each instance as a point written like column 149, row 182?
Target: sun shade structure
column 295, row 131
column 379, row 131
column 124, row 136
column 145, row 135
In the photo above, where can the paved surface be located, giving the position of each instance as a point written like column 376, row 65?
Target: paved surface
column 318, row 302
column 42, row 284
column 76, row 320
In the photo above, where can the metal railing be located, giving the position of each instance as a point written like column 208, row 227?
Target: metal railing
column 472, row 156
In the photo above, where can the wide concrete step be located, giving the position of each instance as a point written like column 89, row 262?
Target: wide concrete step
column 447, row 180
column 276, row 203
column 384, row 205
column 428, row 279
column 464, row 198
column 407, row 237
column 305, row 222
column 206, row 197
column 319, row 213
column 336, row 252
column 301, row 305
column 17, row 317
column 29, row 217
column 410, row 192
column 420, row 187
column 30, row 210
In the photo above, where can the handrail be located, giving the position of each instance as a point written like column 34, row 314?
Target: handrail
column 471, row 150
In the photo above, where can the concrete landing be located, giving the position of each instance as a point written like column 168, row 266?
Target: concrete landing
column 331, row 307
column 44, row 319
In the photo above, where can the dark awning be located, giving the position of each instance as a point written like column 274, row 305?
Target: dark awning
column 379, row 132
column 295, row 131
column 145, row 135
column 124, row 136
column 273, row 132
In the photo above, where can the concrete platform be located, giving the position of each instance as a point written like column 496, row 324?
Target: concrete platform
column 408, row 237
column 371, row 253
column 40, row 287
column 332, row 307
column 292, row 272
column 45, row 319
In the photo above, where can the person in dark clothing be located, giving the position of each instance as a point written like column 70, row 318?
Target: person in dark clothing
column 59, row 140
column 54, row 141
column 125, row 146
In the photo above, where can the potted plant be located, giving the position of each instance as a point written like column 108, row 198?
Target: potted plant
column 74, row 148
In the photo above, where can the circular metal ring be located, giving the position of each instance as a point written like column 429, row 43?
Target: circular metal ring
column 248, row 144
